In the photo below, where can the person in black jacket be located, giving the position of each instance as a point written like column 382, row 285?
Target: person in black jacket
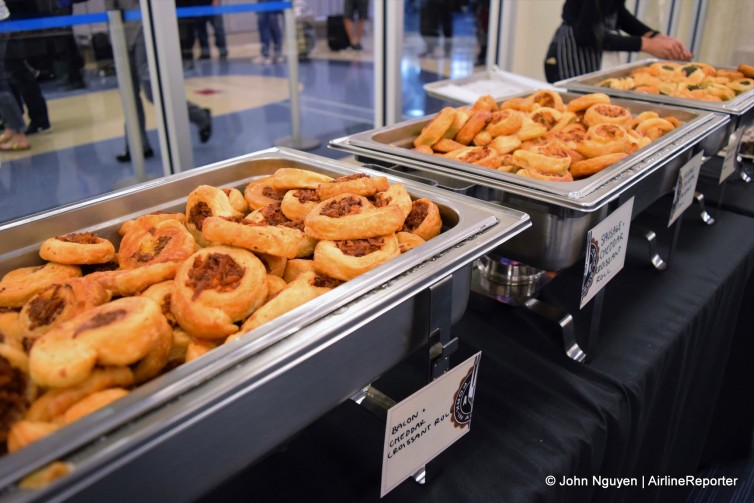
column 590, row 27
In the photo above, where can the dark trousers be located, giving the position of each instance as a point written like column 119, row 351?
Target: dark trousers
column 27, row 91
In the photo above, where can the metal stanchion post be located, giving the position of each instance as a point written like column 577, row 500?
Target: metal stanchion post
column 128, row 97
column 295, row 140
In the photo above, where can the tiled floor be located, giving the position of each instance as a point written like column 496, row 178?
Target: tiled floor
column 251, row 111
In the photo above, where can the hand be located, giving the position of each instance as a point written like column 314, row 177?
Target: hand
column 666, row 47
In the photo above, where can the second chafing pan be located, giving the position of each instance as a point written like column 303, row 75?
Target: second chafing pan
column 740, row 109
column 180, row 434
column 561, row 212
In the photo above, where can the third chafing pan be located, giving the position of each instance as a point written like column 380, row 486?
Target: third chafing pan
column 740, row 109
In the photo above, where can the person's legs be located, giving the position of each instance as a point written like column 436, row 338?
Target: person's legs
column 277, row 35
column 263, row 24
column 220, row 41
column 27, row 86
column 13, row 136
column 200, row 23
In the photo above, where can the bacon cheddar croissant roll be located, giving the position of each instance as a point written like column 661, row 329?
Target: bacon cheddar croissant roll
column 206, row 201
column 424, row 219
column 16, row 390
column 125, row 282
column 166, row 241
column 306, row 287
column 150, row 220
column 236, row 199
column 293, row 178
column 265, row 231
column 347, row 216
column 358, row 184
column 77, row 248
column 260, row 193
column 395, row 195
column 217, row 287
column 118, row 333
column 344, row 260
column 58, row 303
column 297, row 203
column 19, row 285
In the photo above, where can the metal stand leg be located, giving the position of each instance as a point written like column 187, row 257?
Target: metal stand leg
column 707, row 218
column 564, row 320
column 437, row 301
column 744, row 173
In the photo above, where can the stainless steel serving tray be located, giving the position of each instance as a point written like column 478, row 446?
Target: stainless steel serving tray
column 561, row 212
column 396, row 141
column 740, row 109
column 186, row 431
column 494, row 82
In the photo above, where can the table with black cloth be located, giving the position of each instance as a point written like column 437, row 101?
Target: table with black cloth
column 666, row 389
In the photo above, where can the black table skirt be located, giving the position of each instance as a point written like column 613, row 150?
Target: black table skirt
column 666, row 390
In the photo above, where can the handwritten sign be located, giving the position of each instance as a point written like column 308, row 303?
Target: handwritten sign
column 428, row 422
column 606, row 246
column 685, row 187
column 730, row 162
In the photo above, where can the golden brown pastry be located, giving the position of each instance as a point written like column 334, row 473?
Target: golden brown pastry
column 237, row 200
column 92, row 403
column 121, row 332
column 286, row 179
column 481, row 156
column 344, row 260
column 206, row 201
column 166, row 241
column 19, row 285
column 306, row 287
column 348, row 216
column 58, row 303
column 486, row 103
column 424, row 219
column 294, row 268
column 583, row 102
column 217, row 287
column 747, row 70
column 547, row 98
column 547, row 159
column 268, row 231
column 297, row 203
column 150, row 220
column 260, row 193
column 505, row 122
column 77, row 248
column 588, row 167
column 604, row 139
column 25, row 432
column 436, row 128
column 473, row 126
column 395, row 195
column 505, row 144
column 408, row 241
column 358, row 183
column 602, row 113
column 125, row 282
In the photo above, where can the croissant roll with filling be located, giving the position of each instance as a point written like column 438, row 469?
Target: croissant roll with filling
column 348, row 216
column 297, row 203
column 217, row 287
column 260, row 193
column 19, row 285
column 166, row 241
column 357, row 183
column 150, row 220
column 77, row 248
column 58, row 303
column 286, row 179
column 395, row 195
column 206, row 201
column 237, row 200
column 424, row 220
column 436, row 128
column 344, row 260
column 121, row 332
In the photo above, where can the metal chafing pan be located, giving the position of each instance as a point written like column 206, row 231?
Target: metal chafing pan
column 184, row 432
column 740, row 109
column 561, row 212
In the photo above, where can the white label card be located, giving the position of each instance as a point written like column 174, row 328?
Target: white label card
column 730, row 162
column 428, row 422
column 606, row 246
column 685, row 187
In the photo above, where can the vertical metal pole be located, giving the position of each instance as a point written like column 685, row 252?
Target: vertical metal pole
column 507, row 22
column 379, row 63
column 291, row 43
column 128, row 95
column 696, row 36
column 166, row 72
column 493, row 36
column 292, row 53
column 393, row 52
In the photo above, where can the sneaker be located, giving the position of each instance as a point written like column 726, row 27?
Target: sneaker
column 126, row 156
column 38, row 128
column 358, row 47
column 205, row 132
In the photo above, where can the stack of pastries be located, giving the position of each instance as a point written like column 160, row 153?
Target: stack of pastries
column 92, row 323
column 540, row 136
column 696, row 81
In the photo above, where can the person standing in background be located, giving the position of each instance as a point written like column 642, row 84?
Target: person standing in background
column 219, row 31
column 436, row 14
column 12, row 137
column 268, row 24
column 590, row 27
column 355, row 31
column 137, row 60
